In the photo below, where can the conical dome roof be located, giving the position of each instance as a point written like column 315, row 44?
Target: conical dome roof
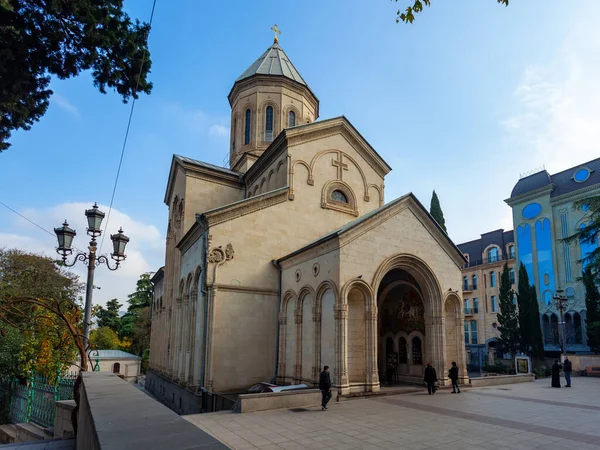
column 273, row 62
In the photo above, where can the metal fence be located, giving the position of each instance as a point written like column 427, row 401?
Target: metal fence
column 35, row 401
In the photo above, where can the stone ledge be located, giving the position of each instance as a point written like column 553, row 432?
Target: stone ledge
column 501, row 379
column 278, row 400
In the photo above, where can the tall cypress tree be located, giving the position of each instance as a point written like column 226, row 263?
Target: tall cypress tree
column 523, row 293
column 436, row 211
column 507, row 318
column 592, row 306
column 537, row 340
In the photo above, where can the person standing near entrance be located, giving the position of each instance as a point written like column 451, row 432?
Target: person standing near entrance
column 453, row 375
column 430, row 378
column 325, row 387
column 567, row 369
column 556, row 374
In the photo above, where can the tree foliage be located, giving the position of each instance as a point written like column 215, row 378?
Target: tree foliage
column 41, row 39
column 592, row 306
column 531, row 341
column 40, row 301
column 105, row 338
column 435, row 210
column 109, row 316
column 590, row 234
column 416, row 6
column 142, row 297
column 508, row 320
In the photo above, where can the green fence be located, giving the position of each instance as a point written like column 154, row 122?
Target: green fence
column 35, row 400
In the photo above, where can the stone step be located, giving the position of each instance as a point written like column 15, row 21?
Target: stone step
column 8, row 434
column 52, row 444
column 31, row 432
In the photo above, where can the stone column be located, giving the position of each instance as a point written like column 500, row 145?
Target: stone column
column 341, row 328
column 298, row 365
column 371, row 349
column 282, row 347
column 435, row 345
column 316, row 370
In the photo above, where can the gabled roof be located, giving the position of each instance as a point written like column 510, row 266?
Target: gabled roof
column 273, row 62
column 561, row 183
column 365, row 218
column 112, row 354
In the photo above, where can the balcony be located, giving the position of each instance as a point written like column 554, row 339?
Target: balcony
column 469, row 287
column 471, row 311
column 484, row 261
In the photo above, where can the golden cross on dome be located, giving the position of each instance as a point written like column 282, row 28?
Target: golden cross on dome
column 275, row 29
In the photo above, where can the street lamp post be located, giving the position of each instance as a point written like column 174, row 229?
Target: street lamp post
column 561, row 302
column 65, row 237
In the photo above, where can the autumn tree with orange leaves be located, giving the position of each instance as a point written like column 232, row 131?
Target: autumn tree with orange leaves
column 41, row 309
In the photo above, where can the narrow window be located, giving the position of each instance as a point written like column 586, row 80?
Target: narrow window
column 494, row 304
column 511, row 276
column 417, row 354
column 117, row 368
column 492, row 279
column 466, row 332
column 511, row 251
column 475, row 305
column 465, row 283
column 473, row 332
column 402, row 353
column 474, row 282
column 269, row 124
column 291, row 119
column 492, row 255
column 467, row 311
column 247, row 127
column 234, row 133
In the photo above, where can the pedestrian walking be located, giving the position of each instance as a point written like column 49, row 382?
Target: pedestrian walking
column 453, row 375
column 567, row 369
column 556, row 374
column 430, row 378
column 325, row 387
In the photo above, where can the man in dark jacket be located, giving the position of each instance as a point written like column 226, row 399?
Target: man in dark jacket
column 453, row 375
column 430, row 378
column 567, row 369
column 325, row 387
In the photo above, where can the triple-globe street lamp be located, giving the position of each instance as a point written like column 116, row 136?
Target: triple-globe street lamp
column 561, row 303
column 65, row 237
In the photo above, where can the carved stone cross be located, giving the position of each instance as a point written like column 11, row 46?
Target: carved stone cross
column 341, row 166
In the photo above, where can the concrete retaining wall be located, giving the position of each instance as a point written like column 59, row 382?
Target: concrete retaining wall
column 501, row 379
column 278, row 400
column 63, row 427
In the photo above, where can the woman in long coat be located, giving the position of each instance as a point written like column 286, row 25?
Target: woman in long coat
column 556, row 374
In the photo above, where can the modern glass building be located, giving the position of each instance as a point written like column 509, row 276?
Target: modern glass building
column 543, row 215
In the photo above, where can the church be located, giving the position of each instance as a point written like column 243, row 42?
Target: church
column 290, row 260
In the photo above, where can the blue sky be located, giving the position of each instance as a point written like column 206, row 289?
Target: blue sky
column 462, row 101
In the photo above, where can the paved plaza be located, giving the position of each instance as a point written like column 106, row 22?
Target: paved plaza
column 519, row 416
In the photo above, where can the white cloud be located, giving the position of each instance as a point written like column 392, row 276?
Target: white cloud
column 66, row 105
column 556, row 115
column 145, row 251
column 218, row 130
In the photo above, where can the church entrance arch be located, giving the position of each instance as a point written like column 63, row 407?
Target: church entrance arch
column 410, row 311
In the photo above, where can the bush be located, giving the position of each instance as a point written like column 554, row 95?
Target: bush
column 542, row 372
column 495, row 368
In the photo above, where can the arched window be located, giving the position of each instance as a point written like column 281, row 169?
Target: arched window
column 473, row 332
column 402, row 353
column 116, row 368
column 247, row 127
column 269, row 124
column 234, row 133
column 417, row 353
column 291, row 119
column 492, row 254
column 339, row 196
column 465, row 283
column 474, row 282
column 389, row 346
column 475, row 305
column 511, row 251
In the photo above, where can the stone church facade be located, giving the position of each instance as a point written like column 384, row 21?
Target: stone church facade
column 290, row 260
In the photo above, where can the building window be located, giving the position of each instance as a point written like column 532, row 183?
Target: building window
column 494, row 304
column 291, row 119
column 234, row 133
column 116, row 368
column 511, row 276
column 474, row 282
column 402, row 353
column 269, row 124
column 515, row 299
column 417, row 354
column 492, row 279
column 467, row 306
column 581, row 175
column 465, row 283
column 475, row 305
column 466, row 332
column 473, row 332
column 247, row 127
column 570, row 293
column 511, row 251
column 587, row 247
column 492, row 255
column 339, row 196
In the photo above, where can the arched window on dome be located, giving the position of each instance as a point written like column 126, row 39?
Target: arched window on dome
column 291, row 119
column 247, row 127
column 269, row 124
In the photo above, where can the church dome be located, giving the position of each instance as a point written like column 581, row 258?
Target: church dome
column 273, row 62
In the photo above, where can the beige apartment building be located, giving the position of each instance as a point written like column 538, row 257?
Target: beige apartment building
column 485, row 257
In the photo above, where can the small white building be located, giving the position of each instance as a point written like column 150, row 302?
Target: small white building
column 118, row 362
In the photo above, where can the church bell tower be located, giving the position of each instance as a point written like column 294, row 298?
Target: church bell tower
column 268, row 97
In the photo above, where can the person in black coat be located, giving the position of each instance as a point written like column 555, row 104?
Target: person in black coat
column 556, row 374
column 567, row 369
column 430, row 378
column 453, row 375
column 325, row 387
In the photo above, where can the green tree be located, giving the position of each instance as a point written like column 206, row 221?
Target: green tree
column 104, row 338
column 592, row 306
column 508, row 320
column 589, row 234
column 531, row 341
column 142, row 297
column 41, row 39
column 40, row 301
column 416, row 6
column 436, row 211
column 109, row 316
